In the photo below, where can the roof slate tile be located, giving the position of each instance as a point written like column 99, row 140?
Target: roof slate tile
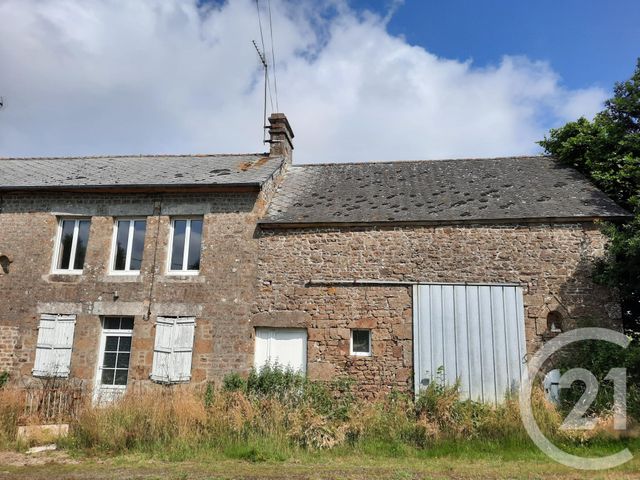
column 436, row 191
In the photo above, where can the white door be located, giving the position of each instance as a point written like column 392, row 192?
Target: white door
column 286, row 347
column 473, row 333
column 113, row 361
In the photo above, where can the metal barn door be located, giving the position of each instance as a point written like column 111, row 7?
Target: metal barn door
column 474, row 333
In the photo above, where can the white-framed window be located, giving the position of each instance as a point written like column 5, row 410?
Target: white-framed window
column 114, row 357
column 173, row 349
column 185, row 245
column 361, row 342
column 128, row 245
column 285, row 347
column 71, row 245
column 54, row 346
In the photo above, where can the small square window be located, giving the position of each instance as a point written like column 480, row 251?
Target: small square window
column 361, row 343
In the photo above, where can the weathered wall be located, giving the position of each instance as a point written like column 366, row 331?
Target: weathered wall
column 551, row 262
column 220, row 296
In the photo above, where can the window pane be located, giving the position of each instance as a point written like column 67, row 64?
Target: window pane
column 66, row 239
column 122, row 236
column 361, row 341
column 139, row 227
column 81, row 245
column 127, row 324
column 109, row 360
column 121, row 377
column 179, row 229
column 125, row 344
column 107, row 376
column 123, row 360
column 112, row 323
column 195, row 238
column 111, row 344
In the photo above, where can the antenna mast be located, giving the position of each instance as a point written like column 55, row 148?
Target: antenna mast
column 264, row 114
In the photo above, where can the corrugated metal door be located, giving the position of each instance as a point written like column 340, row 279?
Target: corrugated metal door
column 474, row 333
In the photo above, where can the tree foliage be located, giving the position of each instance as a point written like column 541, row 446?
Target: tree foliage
column 607, row 150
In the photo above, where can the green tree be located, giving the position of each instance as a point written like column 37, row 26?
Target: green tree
column 607, row 150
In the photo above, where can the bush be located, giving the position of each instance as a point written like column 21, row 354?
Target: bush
column 599, row 358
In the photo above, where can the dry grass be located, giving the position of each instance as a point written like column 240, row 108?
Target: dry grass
column 178, row 422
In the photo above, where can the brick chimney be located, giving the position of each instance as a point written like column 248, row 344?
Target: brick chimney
column 280, row 136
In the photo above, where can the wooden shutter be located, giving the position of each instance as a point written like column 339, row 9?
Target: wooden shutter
column 54, row 346
column 173, row 349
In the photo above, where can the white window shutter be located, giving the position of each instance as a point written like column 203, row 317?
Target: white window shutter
column 162, row 350
column 184, row 330
column 54, row 346
column 173, row 349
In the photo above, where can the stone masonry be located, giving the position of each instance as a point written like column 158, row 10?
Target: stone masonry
column 552, row 262
column 219, row 297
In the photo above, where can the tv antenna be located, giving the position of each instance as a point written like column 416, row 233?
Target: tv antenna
column 266, row 78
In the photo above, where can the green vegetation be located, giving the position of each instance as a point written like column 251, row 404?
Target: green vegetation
column 598, row 358
column 4, row 378
column 275, row 415
column 275, row 418
column 607, row 150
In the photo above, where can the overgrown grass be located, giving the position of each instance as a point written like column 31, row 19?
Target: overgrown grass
column 274, row 415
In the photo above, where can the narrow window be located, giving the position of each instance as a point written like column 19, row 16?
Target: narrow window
column 185, row 245
column 129, row 245
column 72, row 245
column 115, row 352
column 361, row 343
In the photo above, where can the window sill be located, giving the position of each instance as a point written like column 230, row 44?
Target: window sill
column 178, row 278
column 129, row 277
column 59, row 277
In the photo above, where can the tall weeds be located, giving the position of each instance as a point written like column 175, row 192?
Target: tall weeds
column 273, row 414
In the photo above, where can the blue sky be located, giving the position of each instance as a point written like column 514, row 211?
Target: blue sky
column 587, row 42
column 435, row 79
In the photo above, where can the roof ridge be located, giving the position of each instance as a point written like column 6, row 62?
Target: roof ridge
column 155, row 155
column 396, row 162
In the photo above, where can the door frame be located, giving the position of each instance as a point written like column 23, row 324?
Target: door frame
column 114, row 391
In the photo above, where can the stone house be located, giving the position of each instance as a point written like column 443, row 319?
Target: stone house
column 125, row 271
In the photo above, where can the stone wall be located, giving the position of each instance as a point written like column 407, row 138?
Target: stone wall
column 9, row 338
column 220, row 297
column 552, row 262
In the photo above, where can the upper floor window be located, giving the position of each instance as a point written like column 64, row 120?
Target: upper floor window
column 186, row 237
column 71, row 249
column 128, row 245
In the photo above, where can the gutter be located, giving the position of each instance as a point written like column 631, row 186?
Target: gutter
column 266, row 224
column 137, row 188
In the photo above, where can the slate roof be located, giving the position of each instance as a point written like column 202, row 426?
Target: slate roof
column 437, row 191
column 137, row 171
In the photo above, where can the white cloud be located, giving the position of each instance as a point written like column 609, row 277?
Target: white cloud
column 164, row 76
